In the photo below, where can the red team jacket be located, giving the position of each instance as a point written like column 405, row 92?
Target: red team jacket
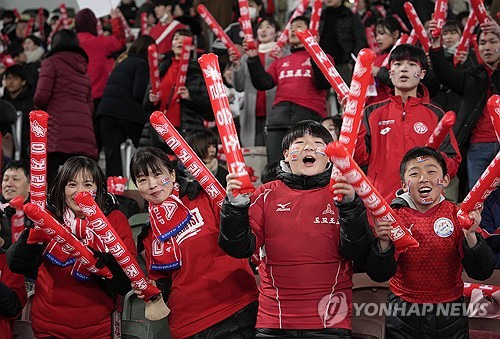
column 305, row 284
column 67, row 308
column 210, row 286
column 16, row 283
column 390, row 129
column 432, row 272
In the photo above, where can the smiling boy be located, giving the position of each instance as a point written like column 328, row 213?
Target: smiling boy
column 306, row 242
column 426, row 287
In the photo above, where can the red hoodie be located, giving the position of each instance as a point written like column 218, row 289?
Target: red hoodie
column 64, row 307
column 16, row 283
column 392, row 128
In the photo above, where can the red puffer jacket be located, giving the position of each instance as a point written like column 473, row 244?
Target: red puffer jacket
column 63, row 90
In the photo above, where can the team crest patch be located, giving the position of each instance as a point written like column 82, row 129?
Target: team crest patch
column 443, row 227
column 420, row 128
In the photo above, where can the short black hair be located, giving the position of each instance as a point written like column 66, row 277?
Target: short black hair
column 183, row 32
column 411, row 53
column 8, row 14
column 200, row 140
column 271, row 22
column 148, row 159
column 390, row 23
column 480, row 32
column 16, row 70
column 336, row 121
column 420, row 151
column 301, row 18
column 452, row 26
column 302, row 128
column 18, row 164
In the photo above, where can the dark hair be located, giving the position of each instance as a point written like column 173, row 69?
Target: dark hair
column 149, row 159
column 390, row 24
column 183, row 32
column 409, row 52
column 67, row 172
column 420, row 151
column 18, row 164
column 480, row 32
column 461, row 15
column 336, row 121
column 15, row 70
column 8, row 14
column 271, row 22
column 140, row 45
column 165, row 3
column 302, row 128
column 452, row 26
column 269, row 172
column 199, row 141
column 64, row 38
column 301, row 18
column 36, row 40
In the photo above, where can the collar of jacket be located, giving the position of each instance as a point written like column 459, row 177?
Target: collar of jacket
column 302, row 182
column 76, row 49
column 421, row 98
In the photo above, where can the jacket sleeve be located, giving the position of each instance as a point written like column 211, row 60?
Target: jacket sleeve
column 478, row 261
column 239, row 75
column 318, row 77
column 116, row 41
column 380, row 265
column 450, row 77
column 12, row 293
column 141, row 80
column 261, row 79
column 355, row 232
column 45, row 84
column 24, row 258
column 235, row 236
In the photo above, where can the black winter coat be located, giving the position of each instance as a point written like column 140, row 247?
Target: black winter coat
column 125, row 90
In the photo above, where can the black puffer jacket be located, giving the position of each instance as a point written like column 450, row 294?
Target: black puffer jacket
column 472, row 84
column 193, row 111
column 237, row 239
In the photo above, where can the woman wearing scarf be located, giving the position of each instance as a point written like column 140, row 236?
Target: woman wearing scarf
column 210, row 294
column 69, row 302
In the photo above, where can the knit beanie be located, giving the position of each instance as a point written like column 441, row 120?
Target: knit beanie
column 86, row 21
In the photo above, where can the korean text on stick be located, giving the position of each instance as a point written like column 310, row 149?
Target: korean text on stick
column 188, row 157
column 440, row 11
column 154, row 73
column 441, row 131
column 38, row 157
column 217, row 30
column 417, row 25
column 317, row 6
column 223, row 117
column 479, row 10
column 465, row 39
column 187, row 43
column 372, row 199
column 325, row 65
column 494, row 110
column 246, row 24
column 484, row 186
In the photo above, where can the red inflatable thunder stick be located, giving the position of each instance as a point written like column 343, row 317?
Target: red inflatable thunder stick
column 353, row 111
column 29, row 27
column 355, row 6
column 217, row 29
column 440, row 11
column 494, row 109
column 487, row 290
column 223, row 117
column 101, row 226
column 41, row 23
column 154, row 73
column 484, row 186
column 372, row 199
column 315, row 17
column 401, row 41
column 188, row 157
column 187, row 43
column 442, row 129
column 370, row 38
column 325, row 65
column 51, row 229
column 465, row 39
column 283, row 37
column 144, row 23
column 64, row 16
column 246, row 24
column 417, row 26
column 128, row 31
column 412, row 39
column 38, row 157
column 479, row 10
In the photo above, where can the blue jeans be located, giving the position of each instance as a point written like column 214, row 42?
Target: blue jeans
column 479, row 157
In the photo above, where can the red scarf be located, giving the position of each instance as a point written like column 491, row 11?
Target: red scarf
column 167, row 220
column 58, row 256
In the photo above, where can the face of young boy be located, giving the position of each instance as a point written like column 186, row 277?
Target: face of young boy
column 406, row 74
column 306, row 156
column 156, row 186
column 424, row 182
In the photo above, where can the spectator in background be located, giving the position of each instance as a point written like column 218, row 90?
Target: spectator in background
column 17, row 36
column 9, row 22
column 186, row 15
column 64, row 90
column 33, row 53
column 120, row 114
column 333, row 125
column 163, row 32
column 149, row 9
column 19, row 93
column 15, row 182
column 98, row 49
column 7, row 118
column 256, row 103
column 129, row 10
column 341, row 33
column 204, row 143
column 491, row 222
